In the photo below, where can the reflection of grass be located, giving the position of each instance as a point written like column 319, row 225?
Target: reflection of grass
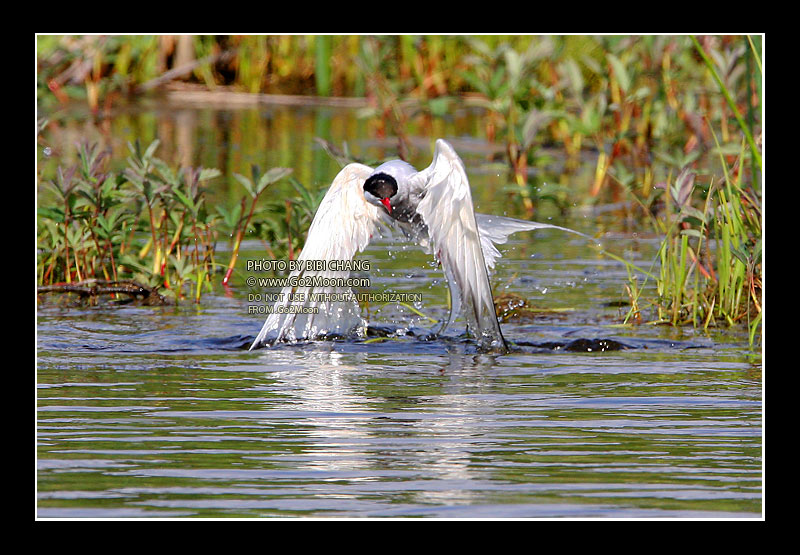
column 510, row 306
column 417, row 312
column 381, row 339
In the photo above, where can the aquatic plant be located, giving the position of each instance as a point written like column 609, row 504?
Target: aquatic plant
column 147, row 223
column 505, row 79
column 618, row 94
column 374, row 61
column 710, row 267
column 709, row 262
column 255, row 186
column 147, row 229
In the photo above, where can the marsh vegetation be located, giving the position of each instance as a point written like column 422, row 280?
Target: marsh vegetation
column 671, row 125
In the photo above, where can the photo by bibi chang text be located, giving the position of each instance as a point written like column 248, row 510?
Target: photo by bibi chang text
column 269, row 265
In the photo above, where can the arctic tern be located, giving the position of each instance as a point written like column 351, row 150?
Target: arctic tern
column 433, row 208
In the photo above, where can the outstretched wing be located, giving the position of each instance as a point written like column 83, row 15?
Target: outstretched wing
column 343, row 225
column 446, row 208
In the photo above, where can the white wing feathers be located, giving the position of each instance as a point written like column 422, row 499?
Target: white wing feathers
column 495, row 230
column 447, row 211
column 461, row 240
column 344, row 224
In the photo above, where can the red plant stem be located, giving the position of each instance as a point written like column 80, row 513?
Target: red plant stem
column 66, row 249
column 289, row 229
column 152, row 229
column 237, row 244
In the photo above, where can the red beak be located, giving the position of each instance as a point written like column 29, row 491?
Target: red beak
column 386, row 203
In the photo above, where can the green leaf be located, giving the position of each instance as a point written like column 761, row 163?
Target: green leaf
column 186, row 201
column 535, row 120
column 740, row 254
column 574, row 75
column 183, row 266
column 55, row 234
column 514, row 65
column 245, row 183
column 88, row 197
column 136, row 148
column 255, row 172
column 620, row 72
column 497, row 79
column 151, row 149
column 273, row 175
column 692, row 233
column 104, row 225
column 55, row 214
column 147, row 189
column 208, row 173
column 683, row 187
column 693, row 212
column 166, row 172
column 640, row 94
column 131, row 262
column 230, row 217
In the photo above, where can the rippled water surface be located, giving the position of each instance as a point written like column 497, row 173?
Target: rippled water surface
column 162, row 411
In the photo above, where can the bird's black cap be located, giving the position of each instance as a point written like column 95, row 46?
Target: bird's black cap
column 381, row 185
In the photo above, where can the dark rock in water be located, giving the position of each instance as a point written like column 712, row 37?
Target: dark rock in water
column 581, row 345
column 592, row 345
column 380, row 330
column 237, row 342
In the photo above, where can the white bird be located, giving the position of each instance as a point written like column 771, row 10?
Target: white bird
column 433, row 208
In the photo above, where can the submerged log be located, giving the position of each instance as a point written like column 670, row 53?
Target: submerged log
column 91, row 289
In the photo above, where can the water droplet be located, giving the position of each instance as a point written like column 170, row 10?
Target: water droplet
column 47, row 151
